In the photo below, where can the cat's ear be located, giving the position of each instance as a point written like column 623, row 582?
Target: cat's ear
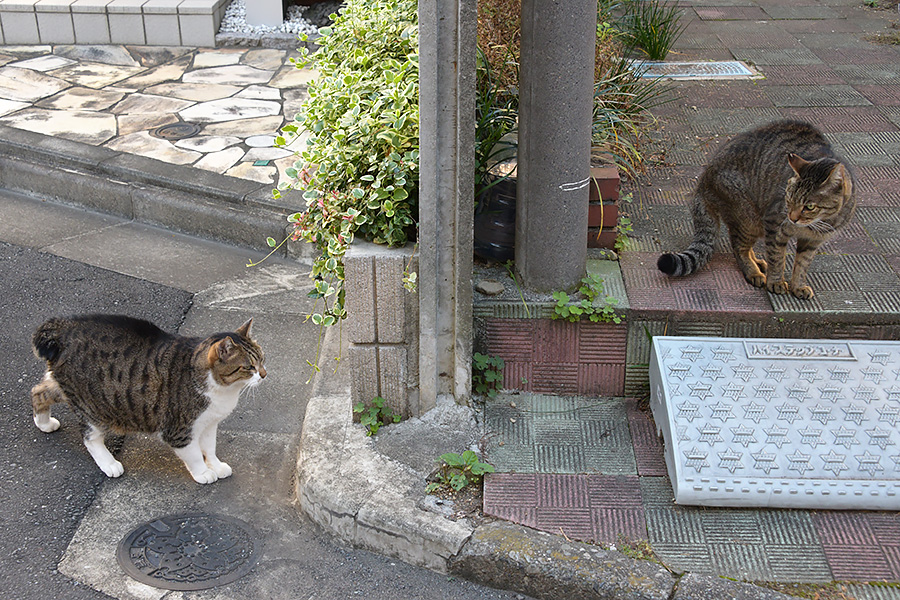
column 839, row 179
column 220, row 350
column 244, row 330
column 796, row 162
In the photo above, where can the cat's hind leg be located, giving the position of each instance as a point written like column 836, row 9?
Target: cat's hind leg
column 759, row 262
column 742, row 246
column 94, row 441
column 43, row 396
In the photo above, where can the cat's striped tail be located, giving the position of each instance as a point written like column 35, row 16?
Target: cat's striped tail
column 706, row 229
column 46, row 342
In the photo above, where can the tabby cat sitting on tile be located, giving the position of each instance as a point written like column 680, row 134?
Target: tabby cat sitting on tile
column 127, row 375
column 780, row 181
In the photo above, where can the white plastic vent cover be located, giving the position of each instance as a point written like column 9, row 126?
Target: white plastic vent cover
column 778, row 422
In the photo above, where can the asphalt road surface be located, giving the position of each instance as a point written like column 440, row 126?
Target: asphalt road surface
column 48, row 482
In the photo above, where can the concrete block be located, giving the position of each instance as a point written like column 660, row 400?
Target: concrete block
column 359, row 284
column 201, row 7
column 162, row 29
column 19, row 27
column 54, row 6
column 704, row 587
column 516, row 558
column 265, row 12
column 394, row 385
column 198, row 30
column 126, row 27
column 91, row 28
column 125, row 6
column 20, row 5
column 55, row 27
column 90, row 6
column 363, row 364
column 162, row 7
column 88, row 190
column 390, row 303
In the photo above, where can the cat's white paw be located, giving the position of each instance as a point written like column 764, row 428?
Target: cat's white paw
column 221, row 469
column 112, row 469
column 47, row 425
column 204, row 477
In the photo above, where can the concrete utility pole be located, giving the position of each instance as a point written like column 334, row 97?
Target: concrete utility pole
column 556, row 87
column 446, row 197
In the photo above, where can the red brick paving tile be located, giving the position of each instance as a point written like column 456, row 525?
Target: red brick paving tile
column 558, row 342
column 791, row 75
column 649, row 454
column 880, row 95
column 601, row 380
column 731, row 13
column 842, row 119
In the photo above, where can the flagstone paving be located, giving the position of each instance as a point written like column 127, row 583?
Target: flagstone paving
column 115, row 96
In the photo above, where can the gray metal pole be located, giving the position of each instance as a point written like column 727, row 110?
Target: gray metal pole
column 555, row 106
column 446, row 197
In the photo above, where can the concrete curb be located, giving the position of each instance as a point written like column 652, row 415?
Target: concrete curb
column 186, row 199
column 371, row 501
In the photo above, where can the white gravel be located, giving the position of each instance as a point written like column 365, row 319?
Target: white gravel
column 235, row 21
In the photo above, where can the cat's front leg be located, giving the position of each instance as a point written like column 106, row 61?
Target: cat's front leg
column 192, row 457
column 207, row 440
column 776, row 245
column 806, row 251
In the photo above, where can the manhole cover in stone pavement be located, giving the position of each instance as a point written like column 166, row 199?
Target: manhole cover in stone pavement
column 188, row 552
column 175, row 131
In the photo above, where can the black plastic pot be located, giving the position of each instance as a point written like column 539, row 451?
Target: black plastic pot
column 495, row 222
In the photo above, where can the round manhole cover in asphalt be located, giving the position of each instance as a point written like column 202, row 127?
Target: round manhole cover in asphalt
column 175, row 131
column 188, row 552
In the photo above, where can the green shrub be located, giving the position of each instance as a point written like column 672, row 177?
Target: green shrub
column 653, row 26
column 360, row 169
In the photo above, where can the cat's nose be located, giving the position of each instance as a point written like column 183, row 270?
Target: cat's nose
column 262, row 372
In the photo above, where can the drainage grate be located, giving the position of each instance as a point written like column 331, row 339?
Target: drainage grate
column 731, row 69
column 175, row 131
column 188, row 552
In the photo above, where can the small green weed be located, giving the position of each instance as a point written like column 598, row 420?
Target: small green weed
column 487, row 374
column 374, row 415
column 637, row 549
column 598, row 311
column 458, row 471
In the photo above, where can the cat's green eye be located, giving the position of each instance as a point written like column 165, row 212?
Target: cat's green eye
column 810, row 206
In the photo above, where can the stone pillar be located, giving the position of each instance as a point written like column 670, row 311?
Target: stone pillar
column 446, row 190
column 555, row 106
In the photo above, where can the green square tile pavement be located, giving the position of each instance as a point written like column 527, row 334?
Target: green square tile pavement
column 548, row 434
column 753, row 545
